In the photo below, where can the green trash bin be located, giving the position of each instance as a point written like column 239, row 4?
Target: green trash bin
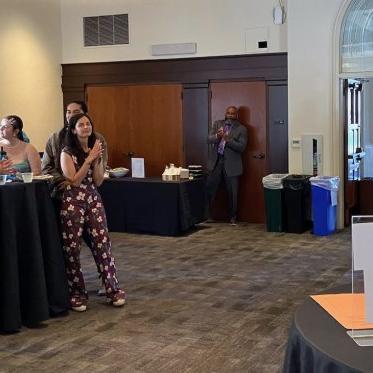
column 274, row 202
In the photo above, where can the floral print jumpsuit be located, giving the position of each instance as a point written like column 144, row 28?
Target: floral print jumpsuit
column 82, row 207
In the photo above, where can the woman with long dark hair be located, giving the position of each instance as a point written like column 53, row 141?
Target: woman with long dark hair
column 82, row 166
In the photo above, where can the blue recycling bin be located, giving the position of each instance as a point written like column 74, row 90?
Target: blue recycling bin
column 324, row 191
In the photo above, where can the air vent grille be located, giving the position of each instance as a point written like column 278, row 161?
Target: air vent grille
column 106, row 30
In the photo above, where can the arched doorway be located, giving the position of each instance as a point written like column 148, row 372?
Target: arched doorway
column 353, row 124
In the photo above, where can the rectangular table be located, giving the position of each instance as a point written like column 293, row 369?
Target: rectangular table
column 153, row 206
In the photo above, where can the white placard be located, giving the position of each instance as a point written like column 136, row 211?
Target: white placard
column 138, row 167
column 363, row 260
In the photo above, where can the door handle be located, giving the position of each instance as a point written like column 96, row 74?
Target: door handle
column 259, row 156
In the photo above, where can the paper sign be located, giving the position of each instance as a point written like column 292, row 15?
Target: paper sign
column 138, row 167
column 362, row 255
column 347, row 309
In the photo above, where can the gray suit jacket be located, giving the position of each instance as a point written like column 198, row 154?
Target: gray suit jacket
column 235, row 145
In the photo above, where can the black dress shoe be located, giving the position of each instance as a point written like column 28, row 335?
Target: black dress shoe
column 233, row 221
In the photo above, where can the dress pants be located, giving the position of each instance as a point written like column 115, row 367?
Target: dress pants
column 231, row 184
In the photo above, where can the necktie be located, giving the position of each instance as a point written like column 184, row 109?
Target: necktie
column 221, row 146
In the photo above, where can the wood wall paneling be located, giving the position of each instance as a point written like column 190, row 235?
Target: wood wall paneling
column 365, row 197
column 195, row 121
column 193, row 74
column 185, row 70
column 156, row 126
column 108, row 108
column 141, row 121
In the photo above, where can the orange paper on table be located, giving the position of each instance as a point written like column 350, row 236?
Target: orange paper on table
column 347, row 309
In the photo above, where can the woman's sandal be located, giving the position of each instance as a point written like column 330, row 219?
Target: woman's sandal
column 117, row 299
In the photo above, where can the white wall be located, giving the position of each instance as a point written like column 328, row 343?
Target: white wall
column 217, row 26
column 30, row 72
column 30, row 53
column 32, row 47
column 310, row 68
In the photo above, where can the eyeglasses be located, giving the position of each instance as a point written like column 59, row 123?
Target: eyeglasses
column 5, row 126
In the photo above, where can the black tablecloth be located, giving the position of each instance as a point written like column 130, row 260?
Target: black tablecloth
column 317, row 343
column 33, row 279
column 152, row 205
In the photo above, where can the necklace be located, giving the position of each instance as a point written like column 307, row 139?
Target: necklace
column 9, row 145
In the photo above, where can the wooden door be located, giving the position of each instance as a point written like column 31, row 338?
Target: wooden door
column 353, row 128
column 250, row 98
column 156, row 126
column 108, row 108
column 141, row 121
column 196, row 107
column 277, row 135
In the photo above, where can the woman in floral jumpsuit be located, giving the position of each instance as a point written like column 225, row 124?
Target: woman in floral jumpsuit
column 82, row 207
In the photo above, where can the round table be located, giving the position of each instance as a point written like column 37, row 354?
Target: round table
column 33, row 281
column 318, row 343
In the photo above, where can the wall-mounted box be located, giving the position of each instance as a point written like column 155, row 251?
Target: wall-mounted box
column 256, row 39
column 312, row 154
column 295, row 143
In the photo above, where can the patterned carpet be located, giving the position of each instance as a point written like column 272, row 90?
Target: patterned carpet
column 220, row 299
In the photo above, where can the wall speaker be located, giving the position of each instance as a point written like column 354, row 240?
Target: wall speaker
column 169, row 49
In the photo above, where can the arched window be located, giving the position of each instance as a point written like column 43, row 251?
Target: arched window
column 357, row 37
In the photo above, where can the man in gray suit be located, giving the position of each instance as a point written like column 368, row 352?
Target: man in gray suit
column 227, row 140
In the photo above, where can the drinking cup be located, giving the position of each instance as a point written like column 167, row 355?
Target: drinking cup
column 27, row 177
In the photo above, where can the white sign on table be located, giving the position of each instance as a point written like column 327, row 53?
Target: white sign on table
column 362, row 261
column 138, row 167
column 362, row 255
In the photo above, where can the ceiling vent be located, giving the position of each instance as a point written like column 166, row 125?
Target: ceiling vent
column 106, row 30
